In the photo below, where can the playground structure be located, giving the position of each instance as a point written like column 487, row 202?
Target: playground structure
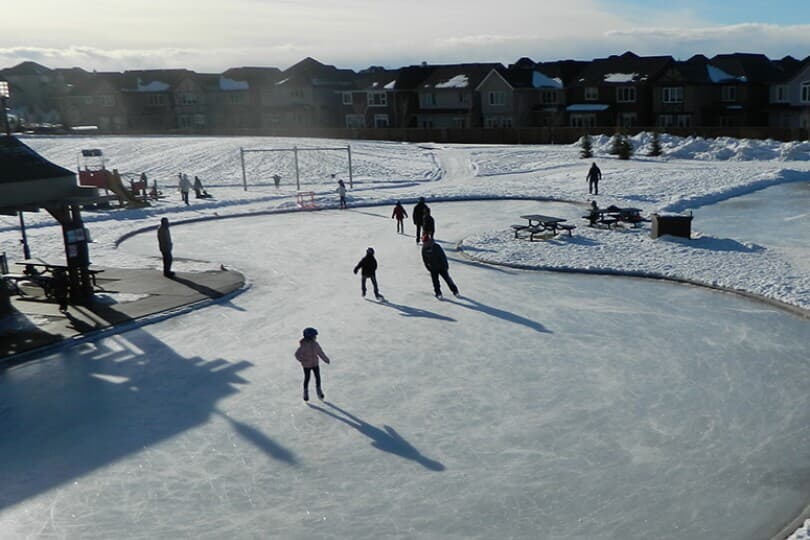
column 92, row 168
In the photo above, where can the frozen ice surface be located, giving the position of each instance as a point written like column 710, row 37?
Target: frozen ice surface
column 539, row 405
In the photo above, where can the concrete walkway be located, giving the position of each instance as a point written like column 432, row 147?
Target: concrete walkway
column 125, row 295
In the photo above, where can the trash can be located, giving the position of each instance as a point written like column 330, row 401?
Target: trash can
column 672, row 225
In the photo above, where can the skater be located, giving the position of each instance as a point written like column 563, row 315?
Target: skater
column 184, row 186
column 436, row 263
column 399, row 214
column 277, row 180
column 368, row 265
column 428, row 224
column 308, row 353
column 165, row 244
column 199, row 191
column 418, row 216
column 594, row 175
column 341, row 190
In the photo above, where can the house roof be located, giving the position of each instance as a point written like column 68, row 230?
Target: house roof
column 254, row 76
column 747, row 67
column 627, row 68
column 458, row 75
column 153, row 80
column 410, row 77
column 376, row 79
column 311, row 72
column 27, row 68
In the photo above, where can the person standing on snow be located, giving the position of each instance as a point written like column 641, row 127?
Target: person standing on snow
column 436, row 263
column 184, row 186
column 368, row 265
column 399, row 214
column 341, row 190
column 308, row 353
column 418, row 216
column 428, row 224
column 594, row 175
column 165, row 245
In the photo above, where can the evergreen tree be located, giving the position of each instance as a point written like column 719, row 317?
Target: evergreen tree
column 615, row 144
column 655, row 145
column 625, row 147
column 587, row 147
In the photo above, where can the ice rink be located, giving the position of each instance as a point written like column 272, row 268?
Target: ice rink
column 537, row 405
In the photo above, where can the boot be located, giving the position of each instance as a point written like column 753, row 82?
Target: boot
column 306, row 394
column 320, row 393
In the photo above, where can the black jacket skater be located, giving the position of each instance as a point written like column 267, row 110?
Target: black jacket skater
column 367, row 265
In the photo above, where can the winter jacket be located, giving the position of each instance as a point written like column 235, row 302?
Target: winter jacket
column 594, row 174
column 368, row 265
column 429, row 225
column 418, row 213
column 399, row 212
column 184, row 185
column 164, row 239
column 341, row 190
column 308, row 353
column 434, row 258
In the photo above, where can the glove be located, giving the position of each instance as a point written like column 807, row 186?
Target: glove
column 355, row 270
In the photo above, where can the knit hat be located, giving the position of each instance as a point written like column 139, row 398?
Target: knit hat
column 370, row 251
column 310, row 333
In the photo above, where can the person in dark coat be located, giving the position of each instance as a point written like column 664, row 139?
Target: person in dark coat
column 418, row 216
column 368, row 265
column 61, row 288
column 199, row 190
column 594, row 175
column 428, row 224
column 399, row 214
column 436, row 263
column 165, row 245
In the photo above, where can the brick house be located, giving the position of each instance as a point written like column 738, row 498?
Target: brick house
column 36, row 92
column 151, row 96
column 240, row 103
column 789, row 97
column 95, row 100
column 448, row 96
column 370, row 101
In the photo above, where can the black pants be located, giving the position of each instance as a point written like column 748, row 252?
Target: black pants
column 400, row 227
column 437, row 289
column 373, row 279
column 167, row 263
column 317, row 371
column 593, row 187
column 418, row 233
column 184, row 194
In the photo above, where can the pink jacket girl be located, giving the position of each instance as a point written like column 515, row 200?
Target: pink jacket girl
column 308, row 353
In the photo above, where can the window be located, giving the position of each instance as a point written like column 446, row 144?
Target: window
column 377, row 99
column 347, row 99
column 780, row 94
column 805, row 92
column 459, row 122
column 184, row 122
column 728, row 93
column 427, row 99
column 187, row 98
column 427, row 123
column 626, row 94
column 355, row 120
column 297, row 93
column 628, row 119
column 497, row 98
column 105, row 101
column 88, row 100
column 672, row 94
column 491, row 122
column 507, row 122
column 549, row 97
column 156, row 100
column 591, row 93
column 199, row 120
column 684, row 120
column 380, row 120
column 236, row 98
column 665, row 120
column 583, row 120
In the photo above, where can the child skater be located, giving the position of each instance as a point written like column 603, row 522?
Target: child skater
column 368, row 265
column 308, row 353
column 399, row 214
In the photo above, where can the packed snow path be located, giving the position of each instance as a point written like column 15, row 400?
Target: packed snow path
column 538, row 405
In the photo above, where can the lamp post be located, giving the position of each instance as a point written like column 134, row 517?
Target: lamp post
column 4, row 95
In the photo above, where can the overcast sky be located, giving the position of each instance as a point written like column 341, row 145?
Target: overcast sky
column 213, row 35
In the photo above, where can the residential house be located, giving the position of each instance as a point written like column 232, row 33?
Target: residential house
column 448, row 96
column 616, row 91
column 684, row 95
column 370, row 103
column 151, row 96
column 790, row 96
column 743, row 98
column 406, row 95
column 95, row 99
column 308, row 94
column 35, row 92
column 239, row 102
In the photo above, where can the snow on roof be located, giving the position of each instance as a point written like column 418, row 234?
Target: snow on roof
column 282, row 81
column 390, row 86
column 620, row 77
column 459, row 81
column 154, row 86
column 540, row 80
column 229, row 84
column 718, row 75
column 586, row 107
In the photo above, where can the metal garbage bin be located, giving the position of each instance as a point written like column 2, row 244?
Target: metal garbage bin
column 672, row 225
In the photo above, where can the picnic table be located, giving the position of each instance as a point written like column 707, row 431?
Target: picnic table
column 40, row 273
column 539, row 223
column 613, row 214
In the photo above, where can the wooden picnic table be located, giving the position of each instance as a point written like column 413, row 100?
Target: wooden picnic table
column 539, row 223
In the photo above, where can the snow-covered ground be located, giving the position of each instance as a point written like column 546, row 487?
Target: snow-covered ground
column 539, row 405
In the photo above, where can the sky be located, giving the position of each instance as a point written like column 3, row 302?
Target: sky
column 211, row 36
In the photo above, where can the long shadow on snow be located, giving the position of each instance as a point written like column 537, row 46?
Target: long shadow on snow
column 508, row 316
column 408, row 311
column 387, row 440
column 86, row 406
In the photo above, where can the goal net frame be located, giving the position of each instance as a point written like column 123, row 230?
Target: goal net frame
column 296, row 150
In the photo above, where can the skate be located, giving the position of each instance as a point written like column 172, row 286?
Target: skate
column 380, row 298
column 306, row 394
column 320, row 393
column 457, row 294
column 439, row 296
